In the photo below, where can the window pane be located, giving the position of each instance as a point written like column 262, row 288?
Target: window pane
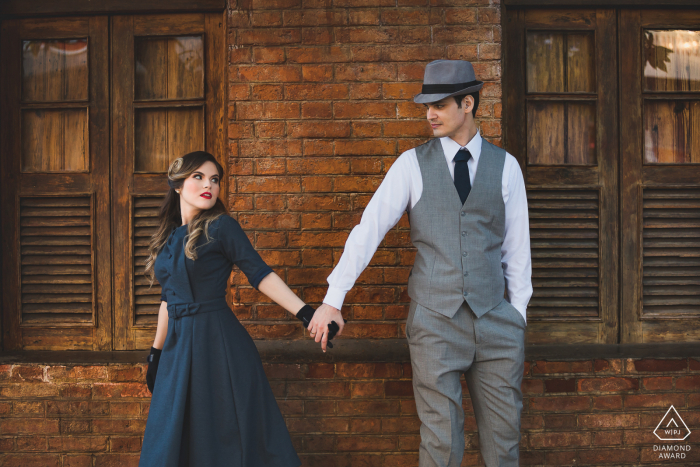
column 545, row 62
column 54, row 70
column 580, row 63
column 170, row 68
column 561, row 133
column 163, row 135
column 672, row 60
column 560, row 62
column 54, row 140
column 672, row 132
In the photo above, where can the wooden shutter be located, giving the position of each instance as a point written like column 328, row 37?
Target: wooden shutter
column 55, row 197
column 660, row 92
column 560, row 109
column 168, row 99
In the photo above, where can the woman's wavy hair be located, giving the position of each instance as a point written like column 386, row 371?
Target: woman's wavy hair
column 169, row 217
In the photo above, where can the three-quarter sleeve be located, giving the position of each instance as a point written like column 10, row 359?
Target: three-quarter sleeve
column 162, row 295
column 238, row 249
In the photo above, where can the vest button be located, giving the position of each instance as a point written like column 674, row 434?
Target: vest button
column 464, row 254
column 463, row 214
column 466, row 273
column 464, row 234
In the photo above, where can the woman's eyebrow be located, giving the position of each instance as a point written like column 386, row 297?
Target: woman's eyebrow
column 200, row 173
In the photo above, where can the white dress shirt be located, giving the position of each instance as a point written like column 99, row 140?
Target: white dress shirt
column 400, row 191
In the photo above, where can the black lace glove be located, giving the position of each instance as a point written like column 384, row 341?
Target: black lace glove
column 152, row 360
column 307, row 312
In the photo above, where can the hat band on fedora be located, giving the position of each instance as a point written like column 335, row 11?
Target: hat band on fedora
column 446, row 88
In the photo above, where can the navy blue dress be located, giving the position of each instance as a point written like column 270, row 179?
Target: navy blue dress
column 212, row 405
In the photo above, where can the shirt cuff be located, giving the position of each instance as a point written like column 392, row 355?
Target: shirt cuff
column 335, row 297
column 256, row 279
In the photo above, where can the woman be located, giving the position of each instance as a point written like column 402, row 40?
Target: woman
column 212, row 405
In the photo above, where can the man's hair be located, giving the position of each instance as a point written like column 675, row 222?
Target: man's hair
column 475, row 95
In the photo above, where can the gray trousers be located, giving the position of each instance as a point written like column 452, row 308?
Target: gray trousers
column 490, row 351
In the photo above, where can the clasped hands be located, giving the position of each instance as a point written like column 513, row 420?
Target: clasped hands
column 323, row 324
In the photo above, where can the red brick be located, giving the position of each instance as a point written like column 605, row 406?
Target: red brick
column 608, row 420
column 31, row 460
column 268, row 184
column 332, row 54
column 274, row 4
column 460, row 15
column 542, row 367
column 366, row 72
column 560, row 404
column 458, row 34
column 314, row 17
column 560, row 385
column 560, row 421
column 367, row 390
column 363, row 3
column 365, row 147
column 657, row 365
column 266, row 92
column 268, row 55
column 379, row 407
column 688, row 383
column 607, row 403
column 608, row 384
column 366, row 443
column 559, row 439
column 366, row 166
column 609, row 456
column 31, row 372
column 532, row 386
column 28, row 425
column 653, row 400
column 317, row 36
column 319, row 129
column 267, row 73
column 660, row 383
column 399, row 388
column 271, row 36
column 420, row 35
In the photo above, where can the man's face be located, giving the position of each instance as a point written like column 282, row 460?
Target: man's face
column 446, row 118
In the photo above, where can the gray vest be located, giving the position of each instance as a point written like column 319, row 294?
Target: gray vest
column 459, row 246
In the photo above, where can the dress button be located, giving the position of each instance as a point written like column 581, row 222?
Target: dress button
column 464, row 234
column 463, row 214
column 466, row 273
column 464, row 254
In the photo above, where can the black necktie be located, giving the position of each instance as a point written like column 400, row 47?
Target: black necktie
column 462, row 174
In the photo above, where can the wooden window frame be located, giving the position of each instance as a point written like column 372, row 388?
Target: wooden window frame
column 24, row 8
column 109, row 329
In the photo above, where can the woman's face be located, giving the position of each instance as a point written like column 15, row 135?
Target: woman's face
column 200, row 189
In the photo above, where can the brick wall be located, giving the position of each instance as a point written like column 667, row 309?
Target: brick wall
column 320, row 105
column 587, row 412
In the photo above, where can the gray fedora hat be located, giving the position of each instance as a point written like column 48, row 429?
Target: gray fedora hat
column 445, row 78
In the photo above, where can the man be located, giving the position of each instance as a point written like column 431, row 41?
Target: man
column 468, row 214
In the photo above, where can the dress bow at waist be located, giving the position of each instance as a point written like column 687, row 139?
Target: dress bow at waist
column 178, row 310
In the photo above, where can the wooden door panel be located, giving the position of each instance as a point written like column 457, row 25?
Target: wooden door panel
column 661, row 176
column 55, row 166
column 561, row 127
column 167, row 102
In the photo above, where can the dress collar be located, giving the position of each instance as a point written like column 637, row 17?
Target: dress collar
column 450, row 147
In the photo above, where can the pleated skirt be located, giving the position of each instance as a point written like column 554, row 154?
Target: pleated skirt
column 212, row 405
